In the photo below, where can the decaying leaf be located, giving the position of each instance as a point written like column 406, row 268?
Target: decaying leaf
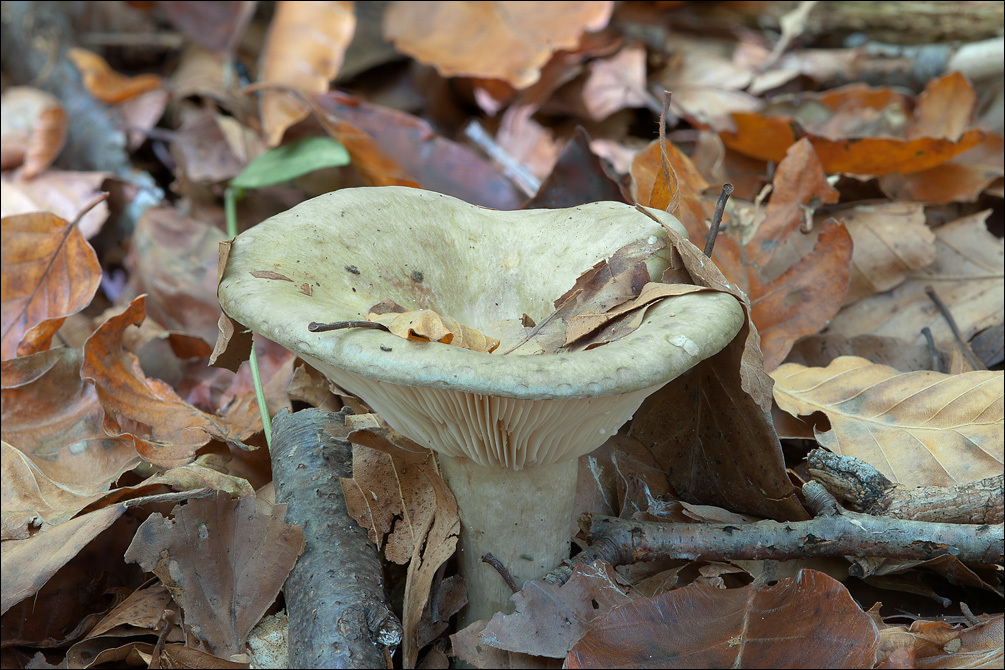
column 49, row 272
column 165, row 429
column 918, row 428
column 405, row 501
column 425, row 324
column 809, row 620
column 223, row 561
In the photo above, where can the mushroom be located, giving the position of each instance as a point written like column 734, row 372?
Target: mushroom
column 508, row 428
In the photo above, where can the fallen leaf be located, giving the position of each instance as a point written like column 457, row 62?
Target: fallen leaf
column 224, row 561
column 166, row 430
column 550, row 619
column 800, row 299
column 900, row 140
column 961, row 179
column 503, row 40
column 303, row 50
column 407, row 502
column 425, row 324
column 722, row 448
column 615, row 83
column 706, row 86
column 809, row 620
column 106, row 84
column 143, row 608
column 918, row 428
column 65, row 194
column 173, row 259
column 967, row 275
column 28, row 564
column 33, row 129
column 817, row 351
column 58, row 459
column 678, row 190
column 578, row 177
column 390, row 147
column 49, row 272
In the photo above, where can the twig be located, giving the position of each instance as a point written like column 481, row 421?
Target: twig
column 335, row 594
column 623, row 541
column 936, row 360
column 502, row 570
column 948, row 316
column 867, row 490
column 316, row 327
column 720, row 207
column 512, row 168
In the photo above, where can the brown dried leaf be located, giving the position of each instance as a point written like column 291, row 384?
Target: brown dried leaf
column 49, row 272
column 390, row 147
column 550, row 619
column 223, row 561
column 214, row 25
column 967, row 275
column 799, row 300
column 28, row 564
column 61, row 459
column 806, row 621
column 685, row 186
column 303, row 50
column 961, row 179
column 918, row 428
column 65, row 194
column 166, row 430
column 106, row 84
column 143, row 608
column 615, row 83
column 33, row 129
column 407, row 502
column 502, row 40
column 425, row 324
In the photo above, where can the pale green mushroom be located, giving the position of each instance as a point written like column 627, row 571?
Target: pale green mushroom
column 508, row 428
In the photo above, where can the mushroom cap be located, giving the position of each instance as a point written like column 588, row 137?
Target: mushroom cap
column 341, row 253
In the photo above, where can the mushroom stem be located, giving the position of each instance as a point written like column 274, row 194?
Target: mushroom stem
column 523, row 518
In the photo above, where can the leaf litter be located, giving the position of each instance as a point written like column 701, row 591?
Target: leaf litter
column 856, row 201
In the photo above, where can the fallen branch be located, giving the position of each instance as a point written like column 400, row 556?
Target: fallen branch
column 835, row 533
column 867, row 490
column 338, row 613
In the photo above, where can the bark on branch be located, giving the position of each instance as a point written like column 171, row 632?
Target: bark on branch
column 834, row 533
column 339, row 617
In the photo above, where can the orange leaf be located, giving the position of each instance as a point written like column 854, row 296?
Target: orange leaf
column 806, row 296
column 944, row 108
column 106, row 84
column 166, row 430
column 652, row 188
column 495, row 40
column 304, row 50
column 49, row 272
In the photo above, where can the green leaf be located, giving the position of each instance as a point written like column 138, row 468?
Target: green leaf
column 291, row 161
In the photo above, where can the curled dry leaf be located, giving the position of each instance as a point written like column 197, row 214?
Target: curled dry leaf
column 106, row 84
column 499, row 40
column 304, row 50
column 798, row 300
column 32, row 130
column 918, row 428
column 806, row 621
column 425, row 324
column 61, row 459
column 49, row 272
column 166, row 430
column 406, row 501
column 682, row 184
